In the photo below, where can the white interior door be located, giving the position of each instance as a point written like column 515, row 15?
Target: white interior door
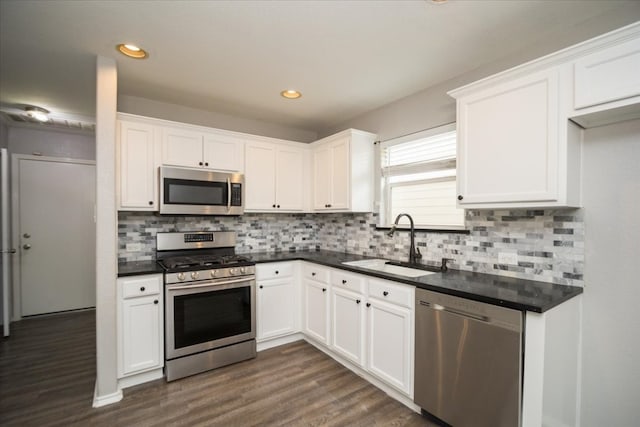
column 56, row 202
column 4, row 243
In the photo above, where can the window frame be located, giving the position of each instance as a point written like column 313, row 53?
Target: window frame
column 383, row 191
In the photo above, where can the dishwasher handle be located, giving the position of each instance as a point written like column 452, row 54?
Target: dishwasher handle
column 459, row 312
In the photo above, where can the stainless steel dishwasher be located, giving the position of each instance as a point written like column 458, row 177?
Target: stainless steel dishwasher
column 468, row 361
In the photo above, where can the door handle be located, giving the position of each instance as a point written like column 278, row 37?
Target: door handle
column 26, row 246
column 8, row 251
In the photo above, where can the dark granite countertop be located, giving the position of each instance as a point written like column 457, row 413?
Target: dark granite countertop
column 135, row 268
column 519, row 294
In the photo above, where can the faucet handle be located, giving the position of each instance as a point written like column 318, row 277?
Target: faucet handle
column 418, row 254
column 443, row 266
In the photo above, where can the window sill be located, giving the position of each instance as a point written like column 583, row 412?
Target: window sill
column 429, row 230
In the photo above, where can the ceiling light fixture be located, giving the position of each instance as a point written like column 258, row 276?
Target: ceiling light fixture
column 291, row 94
column 132, row 51
column 37, row 113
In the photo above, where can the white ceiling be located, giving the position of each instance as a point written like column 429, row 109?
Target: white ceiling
column 234, row 57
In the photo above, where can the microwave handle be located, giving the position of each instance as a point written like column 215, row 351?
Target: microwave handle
column 228, row 194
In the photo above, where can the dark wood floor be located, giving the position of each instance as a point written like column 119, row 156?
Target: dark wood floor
column 47, row 375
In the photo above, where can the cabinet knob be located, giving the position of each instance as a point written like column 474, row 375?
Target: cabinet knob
column 368, row 304
column 155, row 301
column 200, row 163
column 206, row 163
column 357, row 301
column 329, row 205
column 385, row 293
column 142, row 288
column 324, row 289
column 344, row 282
column 313, row 273
column 460, row 197
column 261, row 286
column 277, row 272
column 273, row 206
column 278, row 206
column 150, row 203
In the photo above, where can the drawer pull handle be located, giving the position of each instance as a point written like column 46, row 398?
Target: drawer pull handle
column 324, row 289
column 357, row 301
column 344, row 282
column 368, row 304
column 385, row 293
column 142, row 288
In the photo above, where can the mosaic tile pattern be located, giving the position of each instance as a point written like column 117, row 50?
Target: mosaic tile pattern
column 544, row 245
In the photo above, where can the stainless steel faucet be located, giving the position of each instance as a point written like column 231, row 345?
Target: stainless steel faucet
column 414, row 253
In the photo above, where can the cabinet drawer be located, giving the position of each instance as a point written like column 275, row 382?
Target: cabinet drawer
column 391, row 292
column 274, row 270
column 347, row 281
column 315, row 272
column 143, row 286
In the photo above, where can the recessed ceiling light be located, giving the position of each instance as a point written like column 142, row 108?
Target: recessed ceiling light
column 132, row 51
column 291, row 94
column 40, row 114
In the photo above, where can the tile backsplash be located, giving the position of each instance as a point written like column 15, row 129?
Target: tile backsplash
column 544, row 245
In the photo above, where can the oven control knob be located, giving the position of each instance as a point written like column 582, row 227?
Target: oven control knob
column 180, row 276
column 242, row 270
column 194, row 275
column 214, row 273
column 232, row 272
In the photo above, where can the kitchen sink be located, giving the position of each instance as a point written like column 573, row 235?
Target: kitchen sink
column 384, row 266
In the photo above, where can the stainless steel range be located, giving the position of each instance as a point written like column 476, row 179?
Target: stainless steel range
column 210, row 294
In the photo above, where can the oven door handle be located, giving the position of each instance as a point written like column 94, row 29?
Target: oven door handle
column 228, row 195
column 209, row 284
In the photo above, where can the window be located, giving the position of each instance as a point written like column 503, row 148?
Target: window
column 418, row 177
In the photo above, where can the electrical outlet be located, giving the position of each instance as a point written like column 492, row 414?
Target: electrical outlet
column 508, row 258
column 134, row 247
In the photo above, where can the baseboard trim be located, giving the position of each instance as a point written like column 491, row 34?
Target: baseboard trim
column 108, row 399
column 275, row 342
column 144, row 377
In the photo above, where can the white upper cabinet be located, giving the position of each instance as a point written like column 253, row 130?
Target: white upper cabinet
column 275, row 176
column 137, row 180
column 511, row 149
column 343, row 172
column 608, row 75
column 194, row 148
column 518, row 142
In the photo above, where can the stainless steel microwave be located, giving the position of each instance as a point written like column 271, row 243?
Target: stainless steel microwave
column 200, row 192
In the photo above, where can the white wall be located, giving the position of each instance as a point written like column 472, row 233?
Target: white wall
column 432, row 107
column 54, row 143
column 611, row 325
column 179, row 113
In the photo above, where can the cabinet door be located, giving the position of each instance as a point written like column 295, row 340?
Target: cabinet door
column 260, row 178
column 289, row 182
column 322, row 178
column 347, row 326
column 340, row 174
column 138, row 178
column 608, row 75
column 276, row 308
column 181, row 147
column 142, row 329
column 223, row 153
column 508, row 140
column 316, row 310
column 390, row 349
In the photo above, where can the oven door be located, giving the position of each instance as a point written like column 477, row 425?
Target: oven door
column 208, row 315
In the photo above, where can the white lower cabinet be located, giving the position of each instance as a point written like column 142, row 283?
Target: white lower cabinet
column 277, row 310
column 390, row 344
column 348, row 324
column 316, row 310
column 140, row 324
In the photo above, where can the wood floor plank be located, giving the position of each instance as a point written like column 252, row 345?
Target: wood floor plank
column 47, row 376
